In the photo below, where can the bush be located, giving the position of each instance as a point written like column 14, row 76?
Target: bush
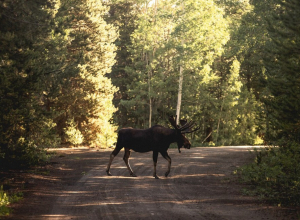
column 275, row 174
column 20, row 147
column 5, row 200
column 72, row 134
column 22, row 155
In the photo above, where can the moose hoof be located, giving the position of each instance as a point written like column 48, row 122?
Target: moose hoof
column 167, row 173
column 108, row 173
column 156, row 177
column 133, row 175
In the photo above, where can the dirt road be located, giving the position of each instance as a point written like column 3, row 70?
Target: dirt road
column 200, row 186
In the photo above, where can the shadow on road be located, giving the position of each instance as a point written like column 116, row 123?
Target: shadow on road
column 200, row 186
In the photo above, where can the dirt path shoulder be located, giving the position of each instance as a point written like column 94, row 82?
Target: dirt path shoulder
column 200, row 186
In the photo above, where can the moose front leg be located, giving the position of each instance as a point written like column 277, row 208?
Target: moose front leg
column 126, row 159
column 168, row 158
column 155, row 155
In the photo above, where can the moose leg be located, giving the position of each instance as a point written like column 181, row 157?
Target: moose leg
column 155, row 154
column 126, row 159
column 112, row 156
column 168, row 158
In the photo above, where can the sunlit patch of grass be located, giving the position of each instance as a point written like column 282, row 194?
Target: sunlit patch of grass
column 6, row 199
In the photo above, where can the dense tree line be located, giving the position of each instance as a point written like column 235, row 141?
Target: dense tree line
column 221, row 52
column 184, row 58
column 275, row 173
column 54, row 59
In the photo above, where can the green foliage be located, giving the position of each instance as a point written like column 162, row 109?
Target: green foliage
column 167, row 37
column 25, row 127
column 54, row 59
column 123, row 15
column 73, row 135
column 84, row 93
column 6, row 199
column 194, row 36
column 266, row 42
column 275, row 174
column 283, row 71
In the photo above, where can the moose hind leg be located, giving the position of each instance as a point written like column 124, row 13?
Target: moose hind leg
column 111, row 158
column 155, row 154
column 168, row 158
column 126, row 160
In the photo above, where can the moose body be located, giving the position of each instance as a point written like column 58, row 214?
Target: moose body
column 156, row 139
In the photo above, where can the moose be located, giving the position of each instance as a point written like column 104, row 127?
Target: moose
column 156, row 139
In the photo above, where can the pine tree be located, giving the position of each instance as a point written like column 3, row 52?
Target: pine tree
column 85, row 93
column 25, row 128
column 123, row 15
column 54, row 59
column 283, row 71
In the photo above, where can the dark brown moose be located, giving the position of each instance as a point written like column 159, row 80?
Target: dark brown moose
column 156, row 139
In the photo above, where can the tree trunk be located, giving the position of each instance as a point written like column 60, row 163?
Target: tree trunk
column 220, row 114
column 179, row 94
column 149, row 93
column 150, row 100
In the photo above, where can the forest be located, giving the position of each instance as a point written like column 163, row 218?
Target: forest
column 76, row 71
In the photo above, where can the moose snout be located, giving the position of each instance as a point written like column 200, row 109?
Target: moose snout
column 188, row 146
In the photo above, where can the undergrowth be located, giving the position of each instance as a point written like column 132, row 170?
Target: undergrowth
column 275, row 175
column 6, row 199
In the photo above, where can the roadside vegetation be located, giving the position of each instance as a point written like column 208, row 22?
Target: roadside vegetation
column 274, row 176
column 6, row 199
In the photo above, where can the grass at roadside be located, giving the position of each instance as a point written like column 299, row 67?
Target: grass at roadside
column 6, row 199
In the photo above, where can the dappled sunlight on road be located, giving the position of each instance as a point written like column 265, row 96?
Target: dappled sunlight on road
column 197, row 188
column 56, row 216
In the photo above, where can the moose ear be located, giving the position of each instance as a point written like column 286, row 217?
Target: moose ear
column 172, row 120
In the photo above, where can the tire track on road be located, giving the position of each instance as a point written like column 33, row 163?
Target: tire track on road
column 194, row 190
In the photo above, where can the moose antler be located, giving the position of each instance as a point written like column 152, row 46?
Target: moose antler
column 188, row 125
column 172, row 120
column 186, row 128
column 186, row 132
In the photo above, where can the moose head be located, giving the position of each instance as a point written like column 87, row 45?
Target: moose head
column 186, row 127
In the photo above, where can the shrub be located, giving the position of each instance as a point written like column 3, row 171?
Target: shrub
column 275, row 174
column 73, row 135
column 5, row 200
